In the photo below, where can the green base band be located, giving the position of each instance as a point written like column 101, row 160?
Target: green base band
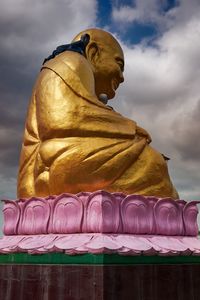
column 102, row 259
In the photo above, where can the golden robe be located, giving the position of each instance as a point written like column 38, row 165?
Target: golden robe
column 73, row 142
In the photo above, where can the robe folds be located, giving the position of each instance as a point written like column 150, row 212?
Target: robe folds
column 73, row 142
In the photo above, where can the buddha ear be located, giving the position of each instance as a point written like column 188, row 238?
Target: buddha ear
column 92, row 52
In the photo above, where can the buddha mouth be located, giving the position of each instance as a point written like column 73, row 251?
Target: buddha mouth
column 115, row 84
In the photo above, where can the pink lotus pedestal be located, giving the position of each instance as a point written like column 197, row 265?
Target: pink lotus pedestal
column 101, row 222
column 147, row 248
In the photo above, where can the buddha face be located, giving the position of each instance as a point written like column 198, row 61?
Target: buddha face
column 108, row 67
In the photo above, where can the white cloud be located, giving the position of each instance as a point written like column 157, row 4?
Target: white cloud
column 142, row 11
column 161, row 92
column 39, row 26
column 125, row 14
column 161, row 89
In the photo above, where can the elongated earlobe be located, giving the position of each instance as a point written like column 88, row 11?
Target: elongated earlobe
column 92, row 52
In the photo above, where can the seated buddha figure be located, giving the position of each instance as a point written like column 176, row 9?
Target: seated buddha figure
column 73, row 140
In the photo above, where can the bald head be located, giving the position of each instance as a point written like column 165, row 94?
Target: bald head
column 101, row 37
column 107, row 60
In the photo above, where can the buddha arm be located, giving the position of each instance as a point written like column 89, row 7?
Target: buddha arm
column 61, row 113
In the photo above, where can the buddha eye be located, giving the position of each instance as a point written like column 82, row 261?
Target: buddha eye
column 121, row 66
column 120, row 63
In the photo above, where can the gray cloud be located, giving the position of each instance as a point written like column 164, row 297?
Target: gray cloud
column 29, row 32
column 160, row 92
column 186, row 140
column 162, row 83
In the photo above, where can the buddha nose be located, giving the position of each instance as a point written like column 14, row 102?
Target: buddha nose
column 121, row 77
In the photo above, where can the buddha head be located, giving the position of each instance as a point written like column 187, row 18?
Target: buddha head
column 107, row 61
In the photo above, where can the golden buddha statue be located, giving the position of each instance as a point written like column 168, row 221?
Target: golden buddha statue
column 73, row 141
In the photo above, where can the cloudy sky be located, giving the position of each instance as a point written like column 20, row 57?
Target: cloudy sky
column 161, row 42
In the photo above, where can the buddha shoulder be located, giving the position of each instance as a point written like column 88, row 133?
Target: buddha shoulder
column 69, row 64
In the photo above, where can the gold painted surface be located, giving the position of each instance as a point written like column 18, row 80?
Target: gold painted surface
column 73, row 142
